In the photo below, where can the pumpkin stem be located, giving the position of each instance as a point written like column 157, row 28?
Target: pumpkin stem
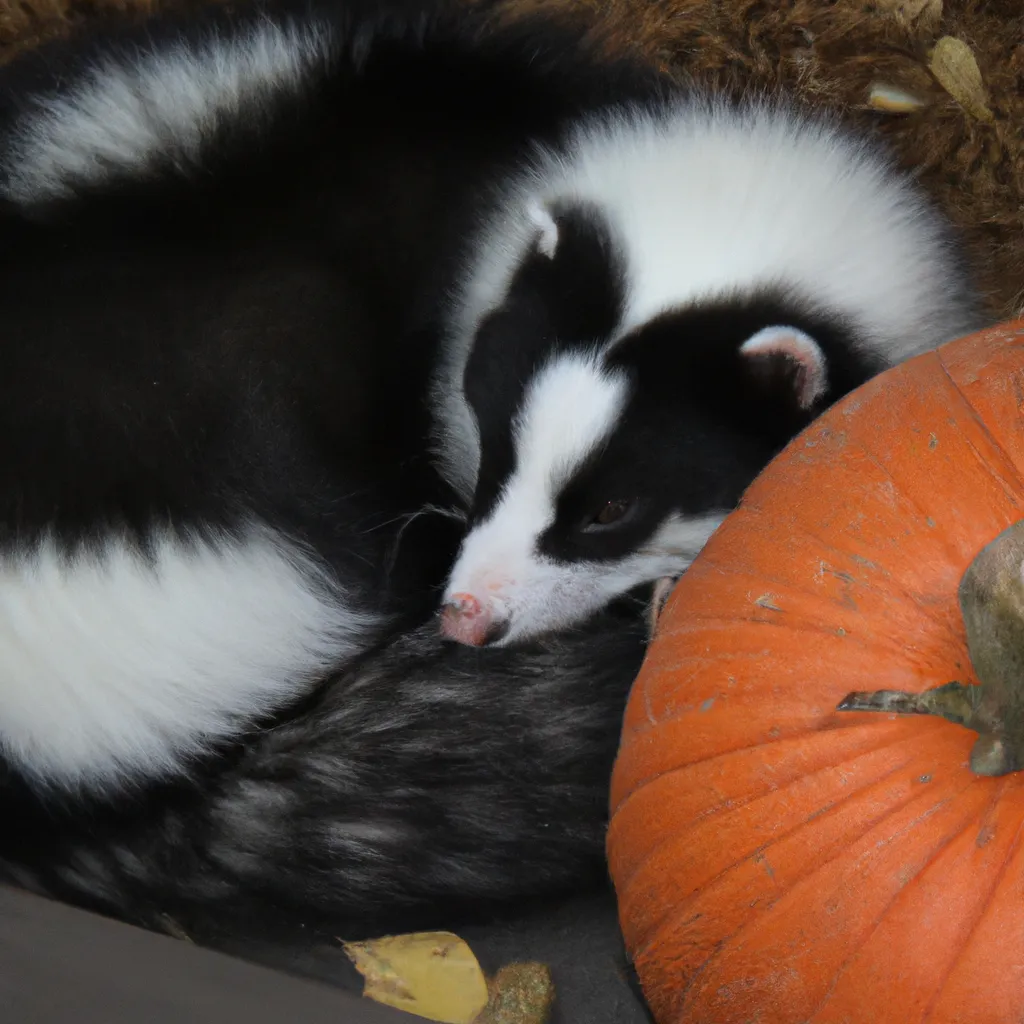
column 952, row 701
column 992, row 603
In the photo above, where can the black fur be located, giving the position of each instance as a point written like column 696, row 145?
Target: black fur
column 250, row 334
column 191, row 371
column 568, row 301
column 729, row 414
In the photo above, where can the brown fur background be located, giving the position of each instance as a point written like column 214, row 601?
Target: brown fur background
column 957, row 66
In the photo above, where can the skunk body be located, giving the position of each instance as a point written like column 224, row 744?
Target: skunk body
column 426, row 784
column 293, row 296
column 224, row 252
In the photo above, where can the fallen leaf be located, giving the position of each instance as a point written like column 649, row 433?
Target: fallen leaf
column 954, row 67
column 521, row 993
column 431, row 974
column 921, row 14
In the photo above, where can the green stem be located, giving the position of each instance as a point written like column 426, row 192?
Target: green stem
column 991, row 598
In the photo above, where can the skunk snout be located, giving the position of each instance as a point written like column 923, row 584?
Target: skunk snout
column 465, row 620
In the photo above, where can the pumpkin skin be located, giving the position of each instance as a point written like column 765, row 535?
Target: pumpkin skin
column 777, row 861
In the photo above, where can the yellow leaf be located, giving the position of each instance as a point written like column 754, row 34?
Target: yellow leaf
column 431, row 974
column 954, row 67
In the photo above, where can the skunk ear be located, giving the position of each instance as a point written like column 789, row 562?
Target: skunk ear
column 788, row 357
column 547, row 227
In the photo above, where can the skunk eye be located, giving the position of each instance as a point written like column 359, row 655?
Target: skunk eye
column 611, row 513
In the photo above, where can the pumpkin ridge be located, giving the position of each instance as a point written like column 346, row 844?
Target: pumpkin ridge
column 937, row 949
column 905, row 736
column 795, row 530
column 919, row 726
column 727, row 568
column 804, row 878
column 946, row 802
column 933, row 858
column 993, row 440
column 912, row 504
column 788, row 708
column 735, row 804
column 760, row 851
column 802, row 588
column 1000, row 479
column 915, row 506
column 983, row 904
column 773, row 622
column 890, row 732
column 704, row 665
column 800, row 532
column 863, row 791
column 979, row 966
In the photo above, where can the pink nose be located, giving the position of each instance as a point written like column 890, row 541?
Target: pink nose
column 465, row 620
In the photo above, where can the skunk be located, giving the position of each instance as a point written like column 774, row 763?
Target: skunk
column 650, row 311
column 224, row 245
column 319, row 318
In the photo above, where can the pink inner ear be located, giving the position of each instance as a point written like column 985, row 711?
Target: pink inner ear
column 800, row 349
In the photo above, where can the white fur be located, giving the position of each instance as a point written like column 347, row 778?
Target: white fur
column 570, row 408
column 535, row 594
column 115, row 665
column 800, row 349
column 133, row 109
column 706, row 202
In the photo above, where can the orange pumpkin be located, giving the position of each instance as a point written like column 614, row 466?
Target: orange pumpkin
column 777, row 860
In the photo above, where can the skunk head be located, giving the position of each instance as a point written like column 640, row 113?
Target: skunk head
column 602, row 467
column 649, row 333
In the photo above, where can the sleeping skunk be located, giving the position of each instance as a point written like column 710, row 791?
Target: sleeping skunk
column 225, row 245
column 317, row 317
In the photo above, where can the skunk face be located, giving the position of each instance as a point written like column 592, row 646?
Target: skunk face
column 656, row 313
column 620, row 462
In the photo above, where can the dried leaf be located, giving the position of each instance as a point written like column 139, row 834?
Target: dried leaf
column 431, row 974
column 891, row 99
column 954, row 67
column 520, row 994
column 923, row 15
